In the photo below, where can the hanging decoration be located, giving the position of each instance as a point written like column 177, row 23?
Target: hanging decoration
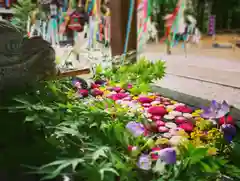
column 130, row 14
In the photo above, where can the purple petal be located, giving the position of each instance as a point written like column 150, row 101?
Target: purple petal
column 214, row 105
column 229, row 129
column 168, row 155
column 144, row 162
column 208, row 114
column 137, row 129
column 223, row 110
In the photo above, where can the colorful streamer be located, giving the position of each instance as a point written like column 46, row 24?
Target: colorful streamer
column 130, row 14
column 175, row 26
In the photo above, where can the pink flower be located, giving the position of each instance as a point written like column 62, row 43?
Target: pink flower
column 160, row 123
column 118, row 96
column 129, row 86
column 117, row 89
column 163, row 129
column 156, row 118
column 180, row 120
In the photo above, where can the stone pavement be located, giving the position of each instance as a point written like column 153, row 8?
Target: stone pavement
column 210, row 69
column 205, row 77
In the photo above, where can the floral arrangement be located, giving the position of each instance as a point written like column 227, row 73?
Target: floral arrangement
column 119, row 130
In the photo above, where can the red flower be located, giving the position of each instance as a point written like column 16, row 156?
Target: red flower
column 93, row 86
column 145, row 100
column 157, row 110
column 83, row 92
column 153, row 154
column 97, row 92
column 183, row 109
column 226, row 120
column 188, row 127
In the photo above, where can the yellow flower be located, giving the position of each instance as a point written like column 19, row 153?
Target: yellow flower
column 169, row 110
column 135, row 98
column 152, row 97
column 182, row 133
column 102, row 88
column 161, row 141
column 199, row 111
column 198, row 119
column 212, row 151
column 194, row 114
column 174, row 102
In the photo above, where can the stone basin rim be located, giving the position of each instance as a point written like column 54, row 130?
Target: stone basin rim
column 190, row 100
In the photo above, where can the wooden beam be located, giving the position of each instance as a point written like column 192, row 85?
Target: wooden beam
column 119, row 20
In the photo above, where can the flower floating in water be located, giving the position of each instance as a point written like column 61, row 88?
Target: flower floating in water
column 137, row 129
column 229, row 131
column 215, row 110
column 76, row 83
column 212, row 151
column 144, row 162
column 226, row 120
column 167, row 155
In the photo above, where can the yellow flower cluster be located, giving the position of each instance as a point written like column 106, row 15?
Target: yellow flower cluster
column 214, row 135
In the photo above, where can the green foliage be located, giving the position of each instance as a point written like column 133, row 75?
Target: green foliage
column 22, row 10
column 194, row 164
column 140, row 74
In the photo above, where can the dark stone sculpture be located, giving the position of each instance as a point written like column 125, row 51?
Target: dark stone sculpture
column 23, row 61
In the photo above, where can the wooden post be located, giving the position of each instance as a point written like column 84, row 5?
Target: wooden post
column 119, row 19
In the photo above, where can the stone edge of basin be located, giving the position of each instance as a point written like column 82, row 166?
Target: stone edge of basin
column 190, row 100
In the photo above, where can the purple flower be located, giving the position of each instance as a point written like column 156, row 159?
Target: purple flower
column 215, row 110
column 137, row 129
column 228, row 138
column 168, row 155
column 76, row 83
column 229, row 132
column 144, row 162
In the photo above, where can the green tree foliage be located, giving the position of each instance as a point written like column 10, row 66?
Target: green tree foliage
column 22, row 11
